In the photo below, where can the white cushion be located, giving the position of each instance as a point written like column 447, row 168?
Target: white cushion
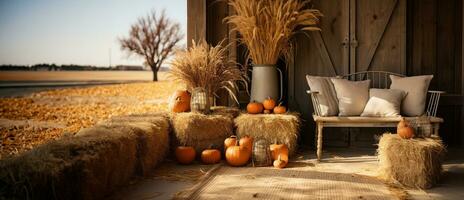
column 327, row 97
column 416, row 88
column 383, row 103
column 352, row 96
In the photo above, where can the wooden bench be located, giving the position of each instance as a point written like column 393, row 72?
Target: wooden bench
column 379, row 79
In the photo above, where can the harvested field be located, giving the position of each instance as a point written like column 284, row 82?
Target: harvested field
column 33, row 120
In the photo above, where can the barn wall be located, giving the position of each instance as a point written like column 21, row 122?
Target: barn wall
column 433, row 46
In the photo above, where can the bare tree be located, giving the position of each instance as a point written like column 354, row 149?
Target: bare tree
column 154, row 38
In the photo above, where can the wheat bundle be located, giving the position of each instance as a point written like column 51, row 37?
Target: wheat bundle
column 282, row 129
column 266, row 26
column 201, row 131
column 87, row 166
column 411, row 162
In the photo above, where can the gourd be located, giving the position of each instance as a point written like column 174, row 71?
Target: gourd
column 267, row 111
column 269, row 103
column 180, row 101
column 404, row 129
column 280, row 109
column 279, row 163
column 210, row 156
column 237, row 155
column 247, row 142
column 185, row 154
column 277, row 150
column 230, row 141
column 255, row 107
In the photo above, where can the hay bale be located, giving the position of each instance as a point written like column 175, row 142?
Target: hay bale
column 415, row 162
column 271, row 127
column 223, row 110
column 200, row 131
column 87, row 166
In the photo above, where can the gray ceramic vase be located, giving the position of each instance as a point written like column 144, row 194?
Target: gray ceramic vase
column 265, row 83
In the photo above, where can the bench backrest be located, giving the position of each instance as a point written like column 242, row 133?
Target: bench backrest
column 379, row 79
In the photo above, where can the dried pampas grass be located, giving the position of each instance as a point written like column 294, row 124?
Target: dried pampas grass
column 201, row 131
column 207, row 67
column 283, row 129
column 411, row 162
column 266, row 26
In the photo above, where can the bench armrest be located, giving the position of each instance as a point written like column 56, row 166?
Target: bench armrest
column 315, row 99
column 434, row 100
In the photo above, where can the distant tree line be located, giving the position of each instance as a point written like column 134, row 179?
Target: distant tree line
column 71, row 67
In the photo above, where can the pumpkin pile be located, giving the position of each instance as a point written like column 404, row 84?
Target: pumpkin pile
column 268, row 106
column 279, row 154
column 404, row 129
column 238, row 152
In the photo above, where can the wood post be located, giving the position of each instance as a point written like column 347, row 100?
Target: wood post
column 319, row 141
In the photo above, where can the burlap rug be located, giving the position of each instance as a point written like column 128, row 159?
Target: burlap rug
column 226, row 182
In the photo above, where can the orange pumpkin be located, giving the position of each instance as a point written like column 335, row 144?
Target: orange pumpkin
column 280, row 109
column 210, row 156
column 185, row 155
column 247, row 142
column 269, row 103
column 180, row 101
column 278, row 149
column 267, row 111
column 280, row 163
column 230, row 141
column 255, row 107
column 404, row 130
column 237, row 155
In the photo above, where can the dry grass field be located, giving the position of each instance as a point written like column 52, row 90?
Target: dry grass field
column 78, row 75
column 29, row 121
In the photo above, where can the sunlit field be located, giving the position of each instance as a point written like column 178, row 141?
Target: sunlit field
column 32, row 120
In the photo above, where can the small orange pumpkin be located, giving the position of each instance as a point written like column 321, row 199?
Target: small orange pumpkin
column 255, row 107
column 230, row 141
column 210, row 156
column 237, row 155
column 267, row 111
column 280, row 109
column 278, row 149
column 404, row 130
column 247, row 142
column 180, row 101
column 269, row 103
column 185, row 154
column 280, row 163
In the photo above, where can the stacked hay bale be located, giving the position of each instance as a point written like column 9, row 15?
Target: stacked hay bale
column 89, row 165
column 412, row 162
column 278, row 128
column 201, row 131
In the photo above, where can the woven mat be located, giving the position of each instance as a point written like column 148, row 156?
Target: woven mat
column 269, row 183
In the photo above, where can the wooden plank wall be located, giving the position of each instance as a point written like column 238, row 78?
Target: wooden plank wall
column 434, row 46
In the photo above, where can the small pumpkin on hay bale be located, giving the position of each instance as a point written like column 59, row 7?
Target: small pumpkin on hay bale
column 412, row 162
column 201, row 131
column 283, row 129
column 87, row 166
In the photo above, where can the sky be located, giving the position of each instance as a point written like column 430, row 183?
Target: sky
column 83, row 32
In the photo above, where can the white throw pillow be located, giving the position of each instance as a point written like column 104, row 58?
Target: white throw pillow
column 327, row 96
column 352, row 96
column 383, row 103
column 416, row 88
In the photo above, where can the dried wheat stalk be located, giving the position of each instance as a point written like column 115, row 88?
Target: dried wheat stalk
column 207, row 66
column 266, row 26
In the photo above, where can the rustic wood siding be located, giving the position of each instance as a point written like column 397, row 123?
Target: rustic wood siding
column 430, row 43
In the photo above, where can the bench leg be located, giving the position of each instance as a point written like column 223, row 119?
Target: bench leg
column 436, row 127
column 319, row 141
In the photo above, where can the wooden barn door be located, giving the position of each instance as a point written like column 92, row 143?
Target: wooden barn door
column 357, row 35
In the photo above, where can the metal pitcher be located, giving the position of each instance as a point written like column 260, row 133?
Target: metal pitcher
column 265, row 83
